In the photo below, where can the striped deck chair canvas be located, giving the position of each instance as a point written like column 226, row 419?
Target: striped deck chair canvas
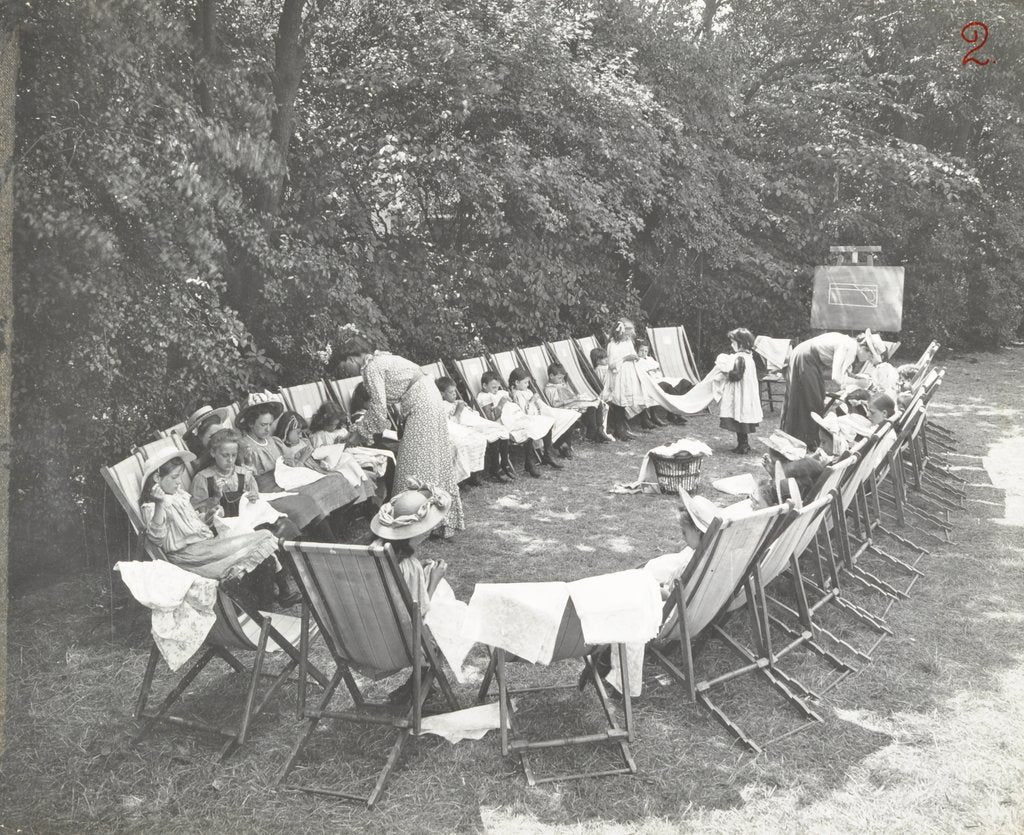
column 470, row 371
column 435, row 369
column 728, row 553
column 565, row 353
column 371, row 624
column 673, row 352
column 504, row 362
column 306, row 398
column 342, row 390
column 536, row 360
column 233, row 632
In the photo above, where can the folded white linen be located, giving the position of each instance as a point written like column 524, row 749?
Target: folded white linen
column 291, row 478
column 469, row 723
column 522, row 618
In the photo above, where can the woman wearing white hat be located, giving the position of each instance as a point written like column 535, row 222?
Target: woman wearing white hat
column 833, row 357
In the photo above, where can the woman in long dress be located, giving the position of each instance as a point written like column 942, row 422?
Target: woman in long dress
column 815, row 362
column 425, row 450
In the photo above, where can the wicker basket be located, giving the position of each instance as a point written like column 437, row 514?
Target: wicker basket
column 682, row 470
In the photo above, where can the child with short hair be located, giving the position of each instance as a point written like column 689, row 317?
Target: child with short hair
column 615, row 420
column 561, row 395
column 521, row 386
column 496, row 436
column 740, row 409
column 647, row 363
column 525, row 429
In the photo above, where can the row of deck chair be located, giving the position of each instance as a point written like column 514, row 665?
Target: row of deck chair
column 671, row 347
column 355, row 597
column 741, row 560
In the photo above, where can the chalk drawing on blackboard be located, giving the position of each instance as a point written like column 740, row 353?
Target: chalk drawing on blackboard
column 848, row 294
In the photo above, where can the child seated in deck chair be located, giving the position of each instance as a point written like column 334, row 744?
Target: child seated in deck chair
column 405, row 522
column 562, row 396
column 523, row 394
column 645, row 362
column 328, row 426
column 188, row 541
column 462, row 419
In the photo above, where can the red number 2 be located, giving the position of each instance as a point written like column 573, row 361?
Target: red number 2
column 971, row 33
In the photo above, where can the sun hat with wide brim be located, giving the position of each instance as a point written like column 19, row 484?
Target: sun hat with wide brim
column 412, row 512
column 155, row 462
column 203, row 414
column 874, row 344
column 702, row 511
column 258, row 402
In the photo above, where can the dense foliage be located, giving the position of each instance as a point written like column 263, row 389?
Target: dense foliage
column 209, row 188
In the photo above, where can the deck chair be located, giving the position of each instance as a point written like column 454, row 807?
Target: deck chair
column 566, row 353
column 470, row 371
column 799, row 532
column 728, row 553
column 672, row 350
column 370, row 622
column 178, row 429
column 305, row 399
column 435, row 369
column 536, row 360
column 775, row 354
column 505, row 362
column 342, row 390
column 569, row 644
column 235, row 631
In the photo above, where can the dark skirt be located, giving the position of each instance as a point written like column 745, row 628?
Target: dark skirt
column 314, row 500
column 735, row 426
column 808, row 373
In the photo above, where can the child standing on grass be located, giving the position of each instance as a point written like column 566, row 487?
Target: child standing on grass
column 740, row 410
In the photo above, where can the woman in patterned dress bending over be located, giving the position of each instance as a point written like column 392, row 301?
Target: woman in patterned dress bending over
column 425, row 451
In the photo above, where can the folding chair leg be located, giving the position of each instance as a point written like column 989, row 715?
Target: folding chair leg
column 389, row 766
column 147, row 680
column 161, row 713
column 257, row 668
column 307, row 732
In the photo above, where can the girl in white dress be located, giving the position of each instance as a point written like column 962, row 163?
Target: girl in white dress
column 740, row 410
column 623, row 388
column 525, row 429
column 462, row 420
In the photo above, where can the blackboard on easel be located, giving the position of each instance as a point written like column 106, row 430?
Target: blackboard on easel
column 853, row 295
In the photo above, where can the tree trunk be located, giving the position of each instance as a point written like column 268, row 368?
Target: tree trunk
column 289, row 63
column 8, row 81
column 204, row 29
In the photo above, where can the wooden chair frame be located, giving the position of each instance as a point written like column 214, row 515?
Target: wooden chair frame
column 730, row 548
column 569, row 644
column 369, row 620
column 228, row 636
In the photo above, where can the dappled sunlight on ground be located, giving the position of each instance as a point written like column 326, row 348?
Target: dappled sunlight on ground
column 1005, row 466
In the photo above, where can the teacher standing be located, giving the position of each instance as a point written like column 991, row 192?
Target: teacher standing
column 425, row 450
column 833, row 357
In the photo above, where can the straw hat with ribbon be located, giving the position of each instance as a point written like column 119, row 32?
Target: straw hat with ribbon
column 874, row 344
column 204, row 414
column 260, row 400
column 155, row 462
column 412, row 512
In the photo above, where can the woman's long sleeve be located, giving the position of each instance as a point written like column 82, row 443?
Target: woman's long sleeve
column 844, row 356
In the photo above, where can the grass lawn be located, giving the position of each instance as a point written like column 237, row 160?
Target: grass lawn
column 928, row 737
